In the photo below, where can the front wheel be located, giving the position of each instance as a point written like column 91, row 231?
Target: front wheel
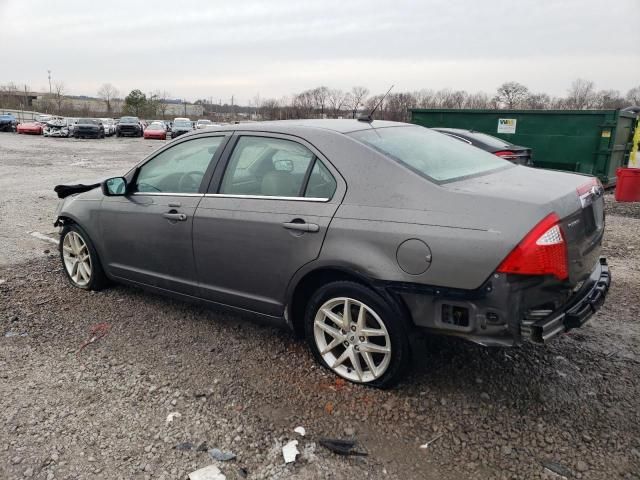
column 80, row 259
column 355, row 333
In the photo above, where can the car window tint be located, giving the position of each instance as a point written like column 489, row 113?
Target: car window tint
column 179, row 169
column 321, row 183
column 266, row 167
column 430, row 154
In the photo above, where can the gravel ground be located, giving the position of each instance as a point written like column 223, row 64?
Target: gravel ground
column 100, row 412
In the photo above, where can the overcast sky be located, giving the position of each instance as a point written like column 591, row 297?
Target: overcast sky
column 277, row 47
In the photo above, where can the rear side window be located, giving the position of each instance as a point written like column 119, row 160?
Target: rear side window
column 321, row 183
column 270, row 167
column 435, row 156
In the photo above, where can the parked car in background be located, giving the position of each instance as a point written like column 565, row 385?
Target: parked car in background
column 356, row 234
column 200, row 124
column 8, row 123
column 180, row 127
column 58, row 127
column 109, row 126
column 43, row 118
column 88, row 128
column 129, row 127
column 156, row 130
column 514, row 153
column 32, row 128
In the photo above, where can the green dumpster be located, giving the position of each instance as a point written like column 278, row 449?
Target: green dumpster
column 595, row 142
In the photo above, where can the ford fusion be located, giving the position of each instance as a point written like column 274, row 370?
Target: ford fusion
column 357, row 235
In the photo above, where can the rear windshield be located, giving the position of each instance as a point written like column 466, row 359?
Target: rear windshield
column 88, row 120
column 181, row 123
column 430, row 154
column 129, row 120
column 488, row 140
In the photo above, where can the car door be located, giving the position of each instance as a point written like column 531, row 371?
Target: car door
column 147, row 232
column 265, row 216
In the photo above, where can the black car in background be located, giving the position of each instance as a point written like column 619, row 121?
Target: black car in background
column 88, row 128
column 129, row 127
column 180, row 127
column 514, row 153
column 8, row 123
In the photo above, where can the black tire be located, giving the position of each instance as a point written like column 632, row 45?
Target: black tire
column 393, row 319
column 98, row 280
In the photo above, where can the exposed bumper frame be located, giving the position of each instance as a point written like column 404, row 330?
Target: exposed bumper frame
column 577, row 311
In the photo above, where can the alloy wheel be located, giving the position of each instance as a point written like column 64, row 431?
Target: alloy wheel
column 77, row 259
column 352, row 339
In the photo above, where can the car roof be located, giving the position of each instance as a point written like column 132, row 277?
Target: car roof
column 286, row 126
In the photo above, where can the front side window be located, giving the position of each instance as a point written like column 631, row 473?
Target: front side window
column 264, row 166
column 430, row 154
column 179, row 169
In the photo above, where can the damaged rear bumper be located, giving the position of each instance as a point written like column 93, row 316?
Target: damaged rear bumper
column 578, row 310
column 507, row 309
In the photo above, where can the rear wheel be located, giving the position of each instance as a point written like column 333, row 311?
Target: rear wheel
column 80, row 259
column 356, row 334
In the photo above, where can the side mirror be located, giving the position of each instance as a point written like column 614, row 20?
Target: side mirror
column 116, row 186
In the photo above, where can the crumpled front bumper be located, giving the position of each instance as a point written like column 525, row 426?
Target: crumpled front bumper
column 575, row 313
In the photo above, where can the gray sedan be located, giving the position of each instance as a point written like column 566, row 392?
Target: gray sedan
column 355, row 234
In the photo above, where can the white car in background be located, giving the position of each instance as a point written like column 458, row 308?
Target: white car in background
column 200, row 124
column 109, row 126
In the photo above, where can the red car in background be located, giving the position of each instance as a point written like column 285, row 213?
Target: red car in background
column 33, row 128
column 157, row 131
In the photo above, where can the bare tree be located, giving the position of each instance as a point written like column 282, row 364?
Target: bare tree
column 512, row 94
column 609, row 99
column 537, row 101
column 581, row 95
column 161, row 97
column 59, row 96
column 336, row 99
column 633, row 96
column 108, row 92
column 357, row 99
column 320, row 95
column 478, row 100
column 270, row 108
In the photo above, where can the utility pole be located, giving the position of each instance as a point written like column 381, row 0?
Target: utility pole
column 49, row 72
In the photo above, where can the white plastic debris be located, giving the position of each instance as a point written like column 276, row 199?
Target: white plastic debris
column 173, row 415
column 426, row 445
column 210, row 472
column 300, row 431
column 290, row 451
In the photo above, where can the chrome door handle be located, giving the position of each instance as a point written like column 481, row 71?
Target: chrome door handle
column 180, row 217
column 301, row 226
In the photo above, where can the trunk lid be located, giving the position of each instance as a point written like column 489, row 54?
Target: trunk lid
column 576, row 199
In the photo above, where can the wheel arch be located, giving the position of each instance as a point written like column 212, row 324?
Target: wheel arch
column 309, row 281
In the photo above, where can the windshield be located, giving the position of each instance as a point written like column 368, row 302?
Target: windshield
column 182, row 124
column 88, row 120
column 156, row 126
column 129, row 120
column 430, row 154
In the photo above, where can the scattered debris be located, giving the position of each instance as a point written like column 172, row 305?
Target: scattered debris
column 290, row 451
column 184, row 446
column 426, row 445
column 97, row 331
column 341, row 447
column 15, row 334
column 300, row 431
column 329, row 408
column 556, row 468
column 210, row 472
column 202, row 447
column 221, row 456
column 173, row 415
column 2, row 280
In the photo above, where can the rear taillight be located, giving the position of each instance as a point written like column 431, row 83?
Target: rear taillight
column 542, row 252
column 505, row 154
